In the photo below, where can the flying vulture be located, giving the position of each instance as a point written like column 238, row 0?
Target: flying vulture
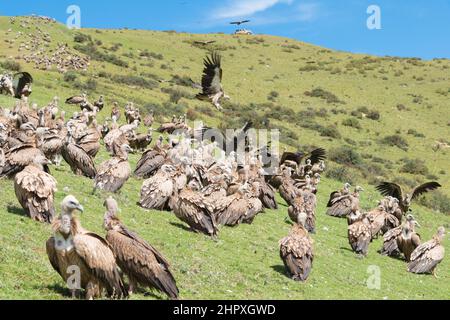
column 394, row 190
column 35, row 191
column 211, row 81
column 22, row 84
column 140, row 261
column 427, row 256
column 296, row 251
column 73, row 251
column 238, row 23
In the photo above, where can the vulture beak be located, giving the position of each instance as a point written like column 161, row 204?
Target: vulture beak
column 80, row 208
column 417, row 224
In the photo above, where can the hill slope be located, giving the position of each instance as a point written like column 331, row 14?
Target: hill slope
column 308, row 92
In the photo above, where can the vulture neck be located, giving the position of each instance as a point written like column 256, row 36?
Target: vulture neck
column 67, row 224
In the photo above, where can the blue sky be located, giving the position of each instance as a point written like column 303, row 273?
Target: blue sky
column 412, row 28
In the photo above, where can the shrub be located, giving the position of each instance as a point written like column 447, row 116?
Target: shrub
column 323, row 94
column 436, row 200
column 92, row 51
column 148, row 54
column 82, row 38
column 309, row 68
column 352, row 122
column 70, row 77
column 345, row 155
column 330, row 131
column 135, row 81
column 416, row 134
column 342, row 174
column 395, row 140
column 414, row 166
column 176, row 94
column 11, row 65
column 374, row 115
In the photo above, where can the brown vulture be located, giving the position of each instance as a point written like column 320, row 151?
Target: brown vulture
column 141, row 262
column 82, row 258
column 314, row 156
column 35, row 191
column 408, row 240
column 17, row 158
column 296, row 251
column 79, row 161
column 343, row 205
column 191, row 207
column 211, row 81
column 150, row 162
column 113, row 173
column 394, row 190
column 390, row 247
column 238, row 23
column 428, row 255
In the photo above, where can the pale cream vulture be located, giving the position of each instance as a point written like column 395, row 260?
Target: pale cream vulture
column 73, row 250
column 35, row 191
column 427, row 256
column 113, row 173
column 296, row 251
column 360, row 236
column 141, row 262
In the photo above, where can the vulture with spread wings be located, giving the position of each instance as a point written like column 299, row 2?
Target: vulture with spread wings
column 22, row 84
column 390, row 189
column 212, row 81
column 238, row 23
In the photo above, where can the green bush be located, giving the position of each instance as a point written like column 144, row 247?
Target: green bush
column 374, row 115
column 91, row 50
column 323, row 94
column 11, row 65
column 329, row 131
column 342, row 174
column 436, row 200
column 135, row 81
column 351, row 122
column 396, row 140
column 82, row 38
column 176, row 94
column 70, row 77
column 345, row 155
column 414, row 166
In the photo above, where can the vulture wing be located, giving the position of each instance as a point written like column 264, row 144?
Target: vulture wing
column 98, row 256
column 150, row 162
column 18, row 158
column 333, row 196
column 317, row 155
column 20, row 81
column 424, row 188
column 52, row 255
column 389, row 189
column 212, row 75
column 426, row 257
column 79, row 160
column 138, row 258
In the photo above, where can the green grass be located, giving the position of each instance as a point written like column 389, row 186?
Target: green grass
column 244, row 263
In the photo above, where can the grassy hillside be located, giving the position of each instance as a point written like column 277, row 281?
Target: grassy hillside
column 306, row 91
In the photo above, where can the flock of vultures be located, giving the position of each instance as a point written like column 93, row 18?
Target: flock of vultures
column 204, row 183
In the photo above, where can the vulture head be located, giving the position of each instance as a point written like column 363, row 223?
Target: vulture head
column 70, row 204
column 440, row 234
column 359, row 189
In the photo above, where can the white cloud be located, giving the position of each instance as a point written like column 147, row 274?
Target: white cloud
column 246, row 8
column 307, row 11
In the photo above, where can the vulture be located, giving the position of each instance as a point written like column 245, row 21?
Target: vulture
column 296, row 251
column 100, row 103
column 77, row 100
column 287, row 190
column 382, row 218
column 314, row 157
column 408, row 240
column 359, row 235
column 343, row 205
column 89, row 141
column 390, row 247
column 204, row 43
column 336, row 194
column 50, row 142
column 211, row 81
column 113, row 173
column 394, row 190
column 428, row 255
column 72, row 248
column 150, row 163
column 35, row 191
column 115, row 112
column 22, row 84
column 191, row 207
column 19, row 157
column 139, row 261
column 79, row 161
column 237, row 208
column 238, row 23
column 141, row 141
column 157, row 190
